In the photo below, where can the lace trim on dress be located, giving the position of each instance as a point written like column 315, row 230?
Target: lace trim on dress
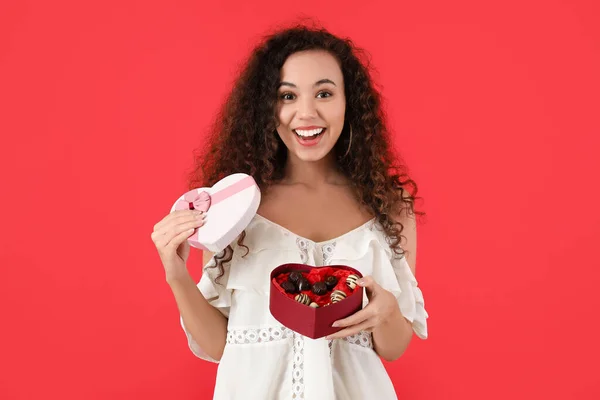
column 362, row 338
column 328, row 251
column 258, row 335
column 303, row 246
column 298, row 367
column 298, row 363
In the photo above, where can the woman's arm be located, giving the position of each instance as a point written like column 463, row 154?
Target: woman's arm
column 206, row 324
column 382, row 316
column 392, row 332
column 392, row 337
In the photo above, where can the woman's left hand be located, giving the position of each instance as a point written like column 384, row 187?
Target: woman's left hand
column 382, row 305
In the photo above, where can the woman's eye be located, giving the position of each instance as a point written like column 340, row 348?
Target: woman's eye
column 291, row 96
column 287, row 96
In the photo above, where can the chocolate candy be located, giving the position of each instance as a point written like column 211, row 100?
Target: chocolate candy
column 303, row 299
column 319, row 288
column 351, row 281
column 314, row 305
column 289, row 287
column 303, row 284
column 337, row 295
column 295, row 276
column 331, row 281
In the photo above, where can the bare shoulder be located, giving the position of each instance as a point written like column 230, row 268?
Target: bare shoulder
column 206, row 257
column 268, row 200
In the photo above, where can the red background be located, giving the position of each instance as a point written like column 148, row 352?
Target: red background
column 495, row 107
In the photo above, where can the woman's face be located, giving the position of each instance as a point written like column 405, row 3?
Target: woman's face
column 311, row 104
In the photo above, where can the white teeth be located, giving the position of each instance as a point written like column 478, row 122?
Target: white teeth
column 308, row 133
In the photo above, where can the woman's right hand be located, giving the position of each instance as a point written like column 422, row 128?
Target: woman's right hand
column 170, row 238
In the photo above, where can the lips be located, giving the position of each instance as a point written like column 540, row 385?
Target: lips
column 312, row 140
column 308, row 127
column 309, row 132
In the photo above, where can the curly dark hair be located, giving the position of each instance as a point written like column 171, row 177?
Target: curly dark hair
column 244, row 138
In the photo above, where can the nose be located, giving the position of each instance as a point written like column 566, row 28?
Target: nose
column 307, row 109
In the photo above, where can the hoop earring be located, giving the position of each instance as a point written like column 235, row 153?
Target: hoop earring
column 349, row 144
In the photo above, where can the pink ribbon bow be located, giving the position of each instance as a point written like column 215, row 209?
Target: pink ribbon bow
column 195, row 201
column 202, row 201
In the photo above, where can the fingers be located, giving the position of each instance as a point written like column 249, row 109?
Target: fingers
column 353, row 330
column 174, row 225
column 180, row 238
column 185, row 230
column 176, row 216
column 354, row 319
column 364, row 319
column 160, row 224
column 371, row 287
column 366, row 281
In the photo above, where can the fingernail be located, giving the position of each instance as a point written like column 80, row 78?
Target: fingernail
column 360, row 282
column 335, row 324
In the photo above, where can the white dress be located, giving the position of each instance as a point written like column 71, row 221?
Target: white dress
column 265, row 360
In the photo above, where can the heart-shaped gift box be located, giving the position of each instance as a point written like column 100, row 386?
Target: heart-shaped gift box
column 313, row 322
column 230, row 204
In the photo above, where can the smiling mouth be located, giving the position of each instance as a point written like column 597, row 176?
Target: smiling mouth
column 309, row 133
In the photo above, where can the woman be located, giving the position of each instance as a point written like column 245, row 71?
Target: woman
column 305, row 121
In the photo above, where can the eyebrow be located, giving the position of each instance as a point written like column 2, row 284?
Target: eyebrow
column 321, row 82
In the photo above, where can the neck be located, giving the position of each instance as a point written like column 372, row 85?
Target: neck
column 312, row 173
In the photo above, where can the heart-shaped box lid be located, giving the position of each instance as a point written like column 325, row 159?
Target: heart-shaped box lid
column 229, row 204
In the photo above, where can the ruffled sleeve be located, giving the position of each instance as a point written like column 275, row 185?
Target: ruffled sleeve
column 217, row 294
column 370, row 253
column 410, row 298
column 393, row 273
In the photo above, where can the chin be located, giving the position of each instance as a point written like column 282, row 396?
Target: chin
column 310, row 156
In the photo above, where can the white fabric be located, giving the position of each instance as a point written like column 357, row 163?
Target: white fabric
column 265, row 360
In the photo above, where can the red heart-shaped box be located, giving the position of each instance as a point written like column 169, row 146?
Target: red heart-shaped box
column 308, row 321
